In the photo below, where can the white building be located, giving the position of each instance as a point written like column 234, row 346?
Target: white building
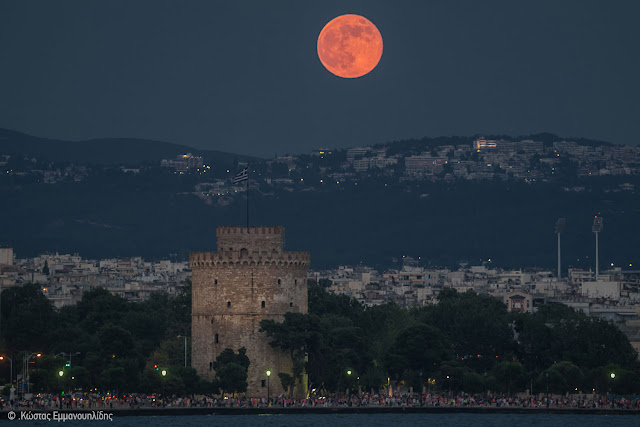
column 601, row 289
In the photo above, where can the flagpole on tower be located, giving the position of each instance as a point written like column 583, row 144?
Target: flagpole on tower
column 243, row 175
column 247, row 202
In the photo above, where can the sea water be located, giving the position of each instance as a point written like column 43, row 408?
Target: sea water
column 365, row 420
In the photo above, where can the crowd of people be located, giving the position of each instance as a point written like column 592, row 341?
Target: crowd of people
column 88, row 401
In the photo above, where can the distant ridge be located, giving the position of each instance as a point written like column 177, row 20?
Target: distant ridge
column 416, row 145
column 136, row 151
column 104, row 151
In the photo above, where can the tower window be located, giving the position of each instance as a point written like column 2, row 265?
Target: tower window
column 217, row 339
column 291, row 304
column 295, row 282
column 211, row 366
column 279, row 282
column 228, row 304
column 215, row 281
column 263, row 304
column 212, row 321
column 264, row 383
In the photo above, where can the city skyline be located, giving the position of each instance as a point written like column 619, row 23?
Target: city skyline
column 418, row 155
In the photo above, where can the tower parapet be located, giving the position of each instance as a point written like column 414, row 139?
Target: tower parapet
column 251, row 238
column 241, row 258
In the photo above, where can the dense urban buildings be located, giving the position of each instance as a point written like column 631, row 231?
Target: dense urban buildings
column 613, row 295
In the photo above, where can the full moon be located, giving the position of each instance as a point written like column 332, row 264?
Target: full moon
column 350, row 46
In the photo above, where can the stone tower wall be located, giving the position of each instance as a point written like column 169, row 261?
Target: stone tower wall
column 257, row 238
column 229, row 289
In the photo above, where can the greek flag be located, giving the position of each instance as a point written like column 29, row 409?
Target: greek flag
column 242, row 176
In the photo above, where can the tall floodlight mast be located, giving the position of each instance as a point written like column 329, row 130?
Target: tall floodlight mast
column 559, row 229
column 597, row 228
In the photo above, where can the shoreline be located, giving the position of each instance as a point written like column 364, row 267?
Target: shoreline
column 186, row 411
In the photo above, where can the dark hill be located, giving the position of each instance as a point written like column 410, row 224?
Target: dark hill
column 104, row 151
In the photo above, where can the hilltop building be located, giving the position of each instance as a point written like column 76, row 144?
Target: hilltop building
column 183, row 162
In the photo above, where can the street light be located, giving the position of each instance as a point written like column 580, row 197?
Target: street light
column 268, row 386
column 164, row 374
column 449, row 378
column 25, row 368
column 559, row 229
column 613, row 376
column 597, row 228
column 61, row 373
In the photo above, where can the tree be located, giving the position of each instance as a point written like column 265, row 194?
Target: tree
column 27, row 318
column 189, row 377
column 151, row 381
column 472, row 382
column 232, row 378
column 44, row 380
column 229, row 356
column 173, row 384
column 325, row 283
column 231, row 370
column 295, row 335
column 566, row 377
column 478, row 326
column 418, row 351
column 113, row 378
column 323, row 302
column 510, row 376
column 286, row 381
column 79, row 378
column 115, row 341
column 557, row 332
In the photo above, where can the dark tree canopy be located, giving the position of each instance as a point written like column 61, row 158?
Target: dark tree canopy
column 231, row 370
column 465, row 342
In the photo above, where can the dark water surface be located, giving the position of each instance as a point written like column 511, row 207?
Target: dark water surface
column 364, row 420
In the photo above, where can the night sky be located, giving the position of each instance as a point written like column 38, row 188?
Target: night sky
column 244, row 76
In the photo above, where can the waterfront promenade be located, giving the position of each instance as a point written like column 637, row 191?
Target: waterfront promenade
column 428, row 403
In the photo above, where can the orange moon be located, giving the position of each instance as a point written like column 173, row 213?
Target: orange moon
column 350, row 46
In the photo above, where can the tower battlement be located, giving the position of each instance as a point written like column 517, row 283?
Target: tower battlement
column 223, row 229
column 244, row 258
column 251, row 239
